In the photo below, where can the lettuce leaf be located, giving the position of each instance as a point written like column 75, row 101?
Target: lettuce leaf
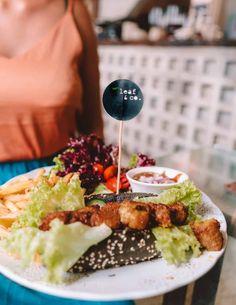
column 59, row 165
column 46, row 199
column 133, row 161
column 59, row 248
column 177, row 244
column 101, row 189
column 185, row 192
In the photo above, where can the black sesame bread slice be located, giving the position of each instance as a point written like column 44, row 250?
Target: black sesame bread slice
column 123, row 247
column 116, row 197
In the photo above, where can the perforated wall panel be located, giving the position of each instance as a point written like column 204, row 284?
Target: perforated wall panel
column 190, row 96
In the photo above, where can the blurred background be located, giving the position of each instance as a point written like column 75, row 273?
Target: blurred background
column 182, row 54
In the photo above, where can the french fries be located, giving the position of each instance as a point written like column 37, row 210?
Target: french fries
column 53, row 179
column 18, row 187
column 11, row 206
column 15, row 196
column 18, row 197
column 3, row 232
column 39, row 174
column 67, row 178
column 6, row 221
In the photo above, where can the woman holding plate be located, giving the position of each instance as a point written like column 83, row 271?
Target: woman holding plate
column 49, row 90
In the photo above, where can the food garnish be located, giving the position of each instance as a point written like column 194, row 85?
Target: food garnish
column 95, row 162
column 110, row 172
column 177, row 244
column 140, row 160
column 83, row 156
column 59, row 249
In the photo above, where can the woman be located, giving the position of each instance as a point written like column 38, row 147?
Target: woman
column 49, row 80
column 49, row 87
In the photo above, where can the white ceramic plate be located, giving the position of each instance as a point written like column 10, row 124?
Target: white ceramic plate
column 131, row 282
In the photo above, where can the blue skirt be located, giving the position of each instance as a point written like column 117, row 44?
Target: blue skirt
column 12, row 293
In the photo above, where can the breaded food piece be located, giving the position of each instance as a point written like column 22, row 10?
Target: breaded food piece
column 108, row 214
column 208, row 234
column 161, row 214
column 84, row 215
column 134, row 214
column 178, row 213
column 65, row 217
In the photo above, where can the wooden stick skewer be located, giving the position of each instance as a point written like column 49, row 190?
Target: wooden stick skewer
column 119, row 157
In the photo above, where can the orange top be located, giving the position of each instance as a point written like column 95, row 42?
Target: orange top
column 40, row 93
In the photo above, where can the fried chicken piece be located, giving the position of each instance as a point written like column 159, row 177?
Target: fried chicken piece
column 65, row 217
column 178, row 213
column 84, row 215
column 108, row 214
column 135, row 215
column 208, row 234
column 162, row 215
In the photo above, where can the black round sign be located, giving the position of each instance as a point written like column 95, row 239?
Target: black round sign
column 123, row 99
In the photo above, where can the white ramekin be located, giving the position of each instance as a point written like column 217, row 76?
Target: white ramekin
column 144, row 187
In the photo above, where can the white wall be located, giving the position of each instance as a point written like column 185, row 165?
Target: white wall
column 115, row 9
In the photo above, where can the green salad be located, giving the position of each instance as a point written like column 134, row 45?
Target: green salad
column 45, row 199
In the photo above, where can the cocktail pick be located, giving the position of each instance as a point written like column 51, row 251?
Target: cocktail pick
column 122, row 100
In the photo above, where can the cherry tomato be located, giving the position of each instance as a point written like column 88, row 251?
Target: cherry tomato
column 124, row 182
column 111, row 184
column 98, row 168
column 110, row 172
